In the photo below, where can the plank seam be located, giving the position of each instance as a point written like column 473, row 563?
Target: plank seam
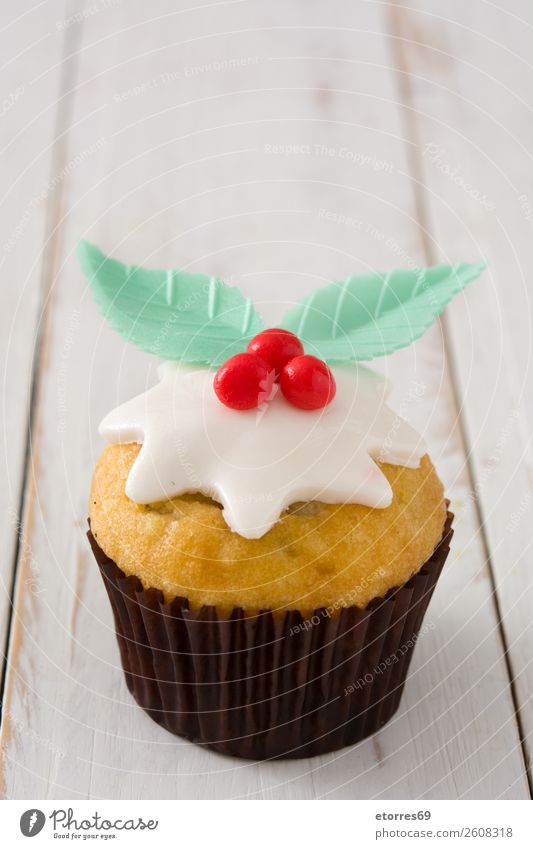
column 71, row 42
column 408, row 112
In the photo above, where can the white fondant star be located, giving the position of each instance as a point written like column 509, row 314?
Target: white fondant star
column 257, row 465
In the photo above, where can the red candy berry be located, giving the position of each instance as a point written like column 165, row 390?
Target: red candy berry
column 243, row 382
column 276, row 347
column 307, row 383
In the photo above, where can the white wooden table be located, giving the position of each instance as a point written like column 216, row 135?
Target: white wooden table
column 278, row 145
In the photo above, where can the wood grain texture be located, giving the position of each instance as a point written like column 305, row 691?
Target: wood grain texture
column 470, row 104
column 275, row 155
column 31, row 51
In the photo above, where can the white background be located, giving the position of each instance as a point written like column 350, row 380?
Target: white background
column 355, row 822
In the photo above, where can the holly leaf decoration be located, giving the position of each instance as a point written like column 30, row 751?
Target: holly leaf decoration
column 374, row 314
column 174, row 314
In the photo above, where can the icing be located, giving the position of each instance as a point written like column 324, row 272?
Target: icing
column 258, row 462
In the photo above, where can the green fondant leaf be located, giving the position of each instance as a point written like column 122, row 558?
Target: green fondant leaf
column 374, row 314
column 173, row 314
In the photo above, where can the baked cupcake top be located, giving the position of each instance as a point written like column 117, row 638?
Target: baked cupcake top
column 317, row 555
column 246, row 416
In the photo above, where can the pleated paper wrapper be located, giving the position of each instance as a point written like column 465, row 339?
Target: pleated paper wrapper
column 271, row 685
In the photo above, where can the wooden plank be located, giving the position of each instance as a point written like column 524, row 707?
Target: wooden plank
column 470, row 80
column 31, row 48
column 227, row 143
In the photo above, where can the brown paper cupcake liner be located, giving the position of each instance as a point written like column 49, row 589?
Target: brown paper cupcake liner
column 268, row 685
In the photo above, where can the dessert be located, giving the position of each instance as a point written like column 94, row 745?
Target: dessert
column 269, row 531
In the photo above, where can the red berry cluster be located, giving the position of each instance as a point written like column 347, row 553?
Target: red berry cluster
column 274, row 355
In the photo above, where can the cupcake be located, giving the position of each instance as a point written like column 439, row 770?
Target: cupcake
column 268, row 530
